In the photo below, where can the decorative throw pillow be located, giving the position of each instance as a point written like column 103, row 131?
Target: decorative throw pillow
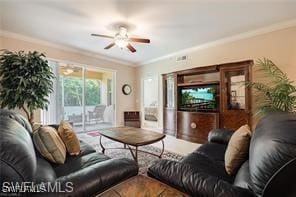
column 36, row 126
column 69, row 138
column 238, row 149
column 49, row 144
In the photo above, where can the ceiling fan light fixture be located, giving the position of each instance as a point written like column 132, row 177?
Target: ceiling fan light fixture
column 121, row 43
column 68, row 71
column 121, row 40
column 122, row 31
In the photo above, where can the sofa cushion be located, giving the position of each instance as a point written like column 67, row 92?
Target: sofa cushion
column 193, row 180
column 68, row 136
column 207, row 165
column 98, row 177
column 49, row 144
column 76, row 163
column 45, row 172
column 36, row 126
column 215, row 151
column 238, row 149
column 85, row 149
column 242, row 178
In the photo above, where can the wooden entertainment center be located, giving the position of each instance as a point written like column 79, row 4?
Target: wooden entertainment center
column 197, row 100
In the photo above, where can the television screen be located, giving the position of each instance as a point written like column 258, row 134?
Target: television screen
column 198, row 98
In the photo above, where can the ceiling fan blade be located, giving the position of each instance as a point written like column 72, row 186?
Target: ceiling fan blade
column 131, row 48
column 142, row 40
column 104, row 36
column 109, row 46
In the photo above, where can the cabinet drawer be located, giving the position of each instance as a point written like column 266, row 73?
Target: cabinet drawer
column 195, row 126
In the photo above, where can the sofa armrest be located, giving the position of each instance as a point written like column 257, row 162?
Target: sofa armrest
column 221, row 136
column 193, row 181
column 95, row 178
column 281, row 183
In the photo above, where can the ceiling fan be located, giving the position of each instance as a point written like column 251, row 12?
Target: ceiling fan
column 121, row 39
column 67, row 70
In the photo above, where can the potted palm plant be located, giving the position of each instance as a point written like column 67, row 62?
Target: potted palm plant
column 277, row 93
column 26, row 80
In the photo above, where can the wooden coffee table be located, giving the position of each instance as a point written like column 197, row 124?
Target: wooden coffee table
column 135, row 137
column 142, row 186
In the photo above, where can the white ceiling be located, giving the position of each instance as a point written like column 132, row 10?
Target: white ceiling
column 172, row 25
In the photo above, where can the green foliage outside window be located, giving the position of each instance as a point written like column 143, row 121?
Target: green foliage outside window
column 93, row 92
column 73, row 91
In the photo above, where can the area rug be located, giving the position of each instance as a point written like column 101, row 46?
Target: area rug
column 144, row 159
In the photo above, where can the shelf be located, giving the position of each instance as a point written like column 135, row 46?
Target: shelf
column 199, row 83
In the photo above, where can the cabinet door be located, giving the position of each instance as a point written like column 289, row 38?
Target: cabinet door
column 235, row 96
column 169, row 109
column 195, row 126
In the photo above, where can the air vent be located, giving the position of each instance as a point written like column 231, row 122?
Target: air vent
column 181, row 58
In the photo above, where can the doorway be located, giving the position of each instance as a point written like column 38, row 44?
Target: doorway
column 83, row 96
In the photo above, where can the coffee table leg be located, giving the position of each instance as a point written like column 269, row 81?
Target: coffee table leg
column 103, row 148
column 162, row 149
column 136, row 157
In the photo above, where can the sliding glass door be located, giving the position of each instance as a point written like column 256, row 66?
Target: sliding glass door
column 70, row 95
column 99, row 112
column 82, row 96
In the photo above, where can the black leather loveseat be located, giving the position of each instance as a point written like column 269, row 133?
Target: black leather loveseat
column 87, row 174
column 270, row 170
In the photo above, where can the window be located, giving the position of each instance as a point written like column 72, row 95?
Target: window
column 93, row 92
column 81, row 96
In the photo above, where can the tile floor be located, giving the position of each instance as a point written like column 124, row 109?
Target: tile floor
column 175, row 145
column 178, row 146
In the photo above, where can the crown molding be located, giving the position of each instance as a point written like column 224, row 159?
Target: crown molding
column 249, row 34
column 13, row 35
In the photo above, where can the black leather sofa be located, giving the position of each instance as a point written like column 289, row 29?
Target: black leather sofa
column 269, row 171
column 89, row 173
